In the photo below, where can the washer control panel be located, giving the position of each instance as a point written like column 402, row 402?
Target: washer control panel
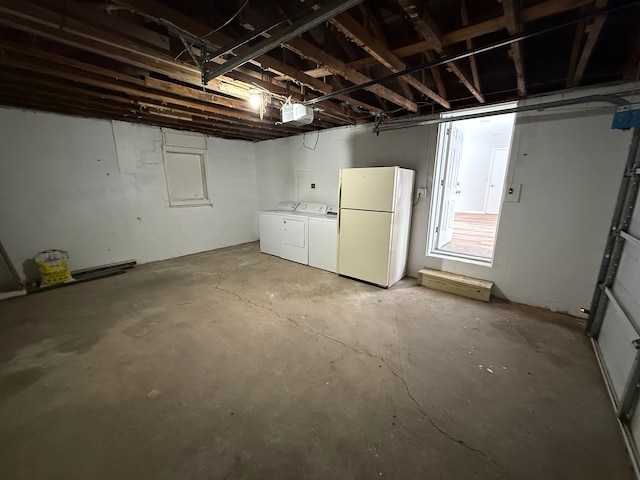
column 312, row 208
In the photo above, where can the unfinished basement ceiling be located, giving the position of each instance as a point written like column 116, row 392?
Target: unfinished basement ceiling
column 143, row 61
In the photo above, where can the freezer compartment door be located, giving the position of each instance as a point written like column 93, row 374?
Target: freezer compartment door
column 364, row 245
column 368, row 188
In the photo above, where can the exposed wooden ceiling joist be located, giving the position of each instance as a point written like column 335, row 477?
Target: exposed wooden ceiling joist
column 473, row 63
column 198, row 29
column 427, row 29
column 529, row 14
column 593, row 33
column 305, row 49
column 374, row 47
column 125, row 59
column 324, row 13
column 514, row 27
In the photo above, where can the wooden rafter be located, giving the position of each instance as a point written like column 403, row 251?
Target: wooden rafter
column 83, row 35
column 593, row 33
column 578, row 40
column 377, row 49
column 427, row 29
column 196, row 28
column 473, row 63
column 374, row 29
column 528, row 14
column 305, row 49
column 59, row 68
column 632, row 67
column 514, row 27
column 435, row 72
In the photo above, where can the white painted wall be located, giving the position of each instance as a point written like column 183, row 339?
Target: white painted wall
column 481, row 137
column 549, row 245
column 60, row 187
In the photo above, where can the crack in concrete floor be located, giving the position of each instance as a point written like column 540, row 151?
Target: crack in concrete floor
column 424, row 414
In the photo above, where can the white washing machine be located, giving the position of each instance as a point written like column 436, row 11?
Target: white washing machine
column 270, row 228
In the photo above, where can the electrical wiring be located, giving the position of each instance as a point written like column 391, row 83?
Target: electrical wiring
column 246, row 2
column 304, row 135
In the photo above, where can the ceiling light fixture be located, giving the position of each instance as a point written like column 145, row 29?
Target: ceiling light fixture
column 255, row 99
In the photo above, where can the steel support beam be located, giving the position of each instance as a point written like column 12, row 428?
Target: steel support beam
column 295, row 29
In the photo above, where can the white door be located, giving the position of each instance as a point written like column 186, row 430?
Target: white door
column 364, row 245
column 367, row 188
column 496, row 180
column 449, row 184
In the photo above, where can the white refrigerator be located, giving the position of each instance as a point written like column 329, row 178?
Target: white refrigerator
column 374, row 219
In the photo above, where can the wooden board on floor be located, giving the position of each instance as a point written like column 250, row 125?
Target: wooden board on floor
column 457, row 284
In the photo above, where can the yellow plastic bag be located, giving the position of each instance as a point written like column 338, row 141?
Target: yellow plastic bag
column 53, row 267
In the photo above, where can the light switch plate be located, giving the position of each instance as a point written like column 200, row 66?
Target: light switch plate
column 512, row 194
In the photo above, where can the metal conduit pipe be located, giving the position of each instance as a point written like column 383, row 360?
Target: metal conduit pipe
column 611, row 99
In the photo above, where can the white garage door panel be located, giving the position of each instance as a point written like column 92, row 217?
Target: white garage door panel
column 627, row 282
column 616, row 349
column 634, row 228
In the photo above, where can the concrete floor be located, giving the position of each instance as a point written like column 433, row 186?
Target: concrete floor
column 237, row 365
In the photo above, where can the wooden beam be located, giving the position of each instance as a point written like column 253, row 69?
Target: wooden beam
column 632, row 67
column 427, row 29
column 39, row 21
column 378, row 50
column 578, row 41
column 15, row 98
column 371, row 22
column 305, row 49
column 593, row 34
column 162, row 99
column 96, row 14
column 159, row 11
column 514, row 27
column 457, row 284
column 473, row 63
column 529, row 14
column 435, row 72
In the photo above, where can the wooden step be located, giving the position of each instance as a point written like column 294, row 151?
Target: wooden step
column 456, row 284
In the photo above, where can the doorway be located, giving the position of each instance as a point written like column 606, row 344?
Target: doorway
column 469, row 182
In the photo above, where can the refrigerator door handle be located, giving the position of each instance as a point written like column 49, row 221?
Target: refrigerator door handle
column 339, row 199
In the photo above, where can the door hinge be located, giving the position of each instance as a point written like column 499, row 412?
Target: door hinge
column 442, row 182
column 437, row 229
